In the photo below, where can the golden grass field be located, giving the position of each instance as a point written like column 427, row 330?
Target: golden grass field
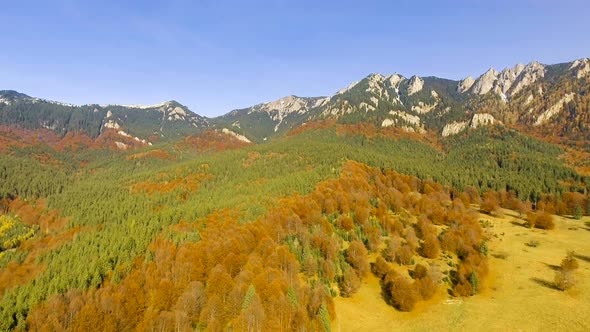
column 519, row 294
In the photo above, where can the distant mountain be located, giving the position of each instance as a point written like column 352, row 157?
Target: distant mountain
column 393, row 100
column 167, row 120
column 271, row 119
column 544, row 99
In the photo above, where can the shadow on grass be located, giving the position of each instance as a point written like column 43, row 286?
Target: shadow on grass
column 513, row 214
column 545, row 283
column 500, row 255
column 553, row 267
column 582, row 257
column 516, row 223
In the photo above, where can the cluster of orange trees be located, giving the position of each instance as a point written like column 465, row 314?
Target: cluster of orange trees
column 281, row 271
column 211, row 140
column 540, row 214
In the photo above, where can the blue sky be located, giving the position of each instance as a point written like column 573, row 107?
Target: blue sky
column 215, row 56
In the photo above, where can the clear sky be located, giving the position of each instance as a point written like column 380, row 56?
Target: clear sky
column 218, row 55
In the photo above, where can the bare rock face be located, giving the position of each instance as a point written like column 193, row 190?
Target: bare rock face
column 375, row 82
column 423, row 108
column 465, row 84
column 235, row 135
column 555, row 109
column 387, row 123
column 279, row 109
column 529, row 75
column 482, row 119
column 415, row 85
column 454, row 128
column 405, row 121
column 395, row 79
column 478, row 120
column 111, row 125
column 176, row 113
column 485, row 82
column 284, row 105
column 506, row 83
column 582, row 67
column 506, row 78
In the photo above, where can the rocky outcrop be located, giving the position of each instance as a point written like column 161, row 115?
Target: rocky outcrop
column 375, row 82
column 465, row 84
column 111, row 125
column 279, row 109
column 506, row 78
column 284, row 105
column 423, row 108
column 409, row 118
column 406, row 121
column 454, row 128
column 236, row 135
column 482, row 119
column 582, row 67
column 415, row 85
column 395, row 79
column 478, row 120
column 506, row 83
column 553, row 110
column 529, row 75
column 176, row 113
column 387, row 123
column 485, row 82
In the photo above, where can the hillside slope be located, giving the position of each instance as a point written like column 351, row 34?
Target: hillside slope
column 168, row 120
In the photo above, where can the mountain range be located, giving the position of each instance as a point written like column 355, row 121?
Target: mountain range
column 544, row 99
column 429, row 184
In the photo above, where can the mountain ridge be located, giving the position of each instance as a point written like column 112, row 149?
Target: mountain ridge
column 528, row 95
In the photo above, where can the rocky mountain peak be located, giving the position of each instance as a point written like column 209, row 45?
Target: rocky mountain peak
column 415, row 85
column 465, row 84
column 395, row 79
column 286, row 105
column 281, row 108
column 9, row 96
column 581, row 67
column 508, row 82
column 485, row 82
column 507, row 77
column 529, row 75
column 348, row 88
column 375, row 77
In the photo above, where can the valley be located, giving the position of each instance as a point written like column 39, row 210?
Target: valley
column 416, row 203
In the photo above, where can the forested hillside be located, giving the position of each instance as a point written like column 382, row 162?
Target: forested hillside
column 147, row 123
column 206, row 233
column 122, row 218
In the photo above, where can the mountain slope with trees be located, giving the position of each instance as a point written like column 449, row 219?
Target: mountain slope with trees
column 152, row 217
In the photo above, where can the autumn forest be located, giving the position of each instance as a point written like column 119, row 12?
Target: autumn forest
column 210, row 233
